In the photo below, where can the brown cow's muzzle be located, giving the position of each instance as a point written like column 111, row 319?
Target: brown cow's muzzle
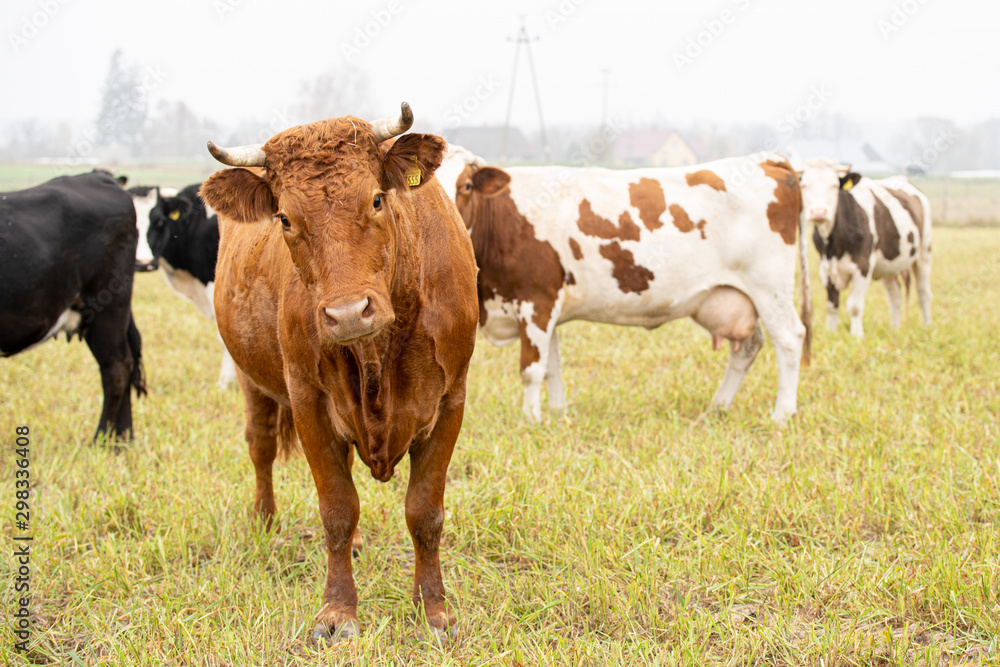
column 353, row 317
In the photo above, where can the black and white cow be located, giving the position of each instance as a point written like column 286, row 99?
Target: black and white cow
column 183, row 239
column 144, row 198
column 68, row 247
column 867, row 229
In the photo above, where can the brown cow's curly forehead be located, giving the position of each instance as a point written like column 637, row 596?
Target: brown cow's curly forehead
column 323, row 160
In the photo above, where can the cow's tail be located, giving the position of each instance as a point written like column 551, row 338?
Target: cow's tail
column 906, row 297
column 288, row 442
column 807, row 305
column 138, row 377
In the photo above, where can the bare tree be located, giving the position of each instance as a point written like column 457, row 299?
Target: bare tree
column 175, row 131
column 336, row 92
column 30, row 138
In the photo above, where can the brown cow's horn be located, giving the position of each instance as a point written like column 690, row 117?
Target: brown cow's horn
column 240, row 156
column 391, row 126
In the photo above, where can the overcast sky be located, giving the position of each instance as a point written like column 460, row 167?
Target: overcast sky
column 721, row 61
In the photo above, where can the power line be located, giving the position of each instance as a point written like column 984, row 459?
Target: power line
column 523, row 38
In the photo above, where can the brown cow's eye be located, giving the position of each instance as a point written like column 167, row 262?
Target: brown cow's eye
column 378, row 201
column 284, row 222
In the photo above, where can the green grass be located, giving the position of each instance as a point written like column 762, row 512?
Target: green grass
column 866, row 532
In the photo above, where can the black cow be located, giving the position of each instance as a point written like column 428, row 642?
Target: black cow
column 183, row 238
column 68, row 249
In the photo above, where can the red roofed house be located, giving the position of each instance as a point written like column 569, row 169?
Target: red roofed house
column 653, row 148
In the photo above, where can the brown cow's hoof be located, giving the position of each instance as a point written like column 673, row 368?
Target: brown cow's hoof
column 322, row 637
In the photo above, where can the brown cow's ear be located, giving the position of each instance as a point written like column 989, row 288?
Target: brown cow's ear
column 412, row 160
column 490, row 180
column 239, row 195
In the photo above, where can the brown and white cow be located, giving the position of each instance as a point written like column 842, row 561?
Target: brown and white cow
column 345, row 292
column 715, row 242
column 867, row 230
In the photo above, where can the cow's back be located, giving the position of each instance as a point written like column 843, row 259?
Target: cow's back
column 900, row 219
column 916, row 204
column 639, row 246
column 67, row 240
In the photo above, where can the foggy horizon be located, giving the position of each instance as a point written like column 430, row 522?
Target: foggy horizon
column 730, row 62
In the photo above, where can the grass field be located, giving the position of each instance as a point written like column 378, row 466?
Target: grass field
column 15, row 176
column 962, row 202
column 865, row 532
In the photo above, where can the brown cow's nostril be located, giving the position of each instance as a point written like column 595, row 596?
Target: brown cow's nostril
column 352, row 319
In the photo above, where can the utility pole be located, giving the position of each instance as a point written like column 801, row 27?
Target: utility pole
column 522, row 38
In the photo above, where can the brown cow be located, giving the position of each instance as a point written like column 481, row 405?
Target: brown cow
column 716, row 243
column 346, row 294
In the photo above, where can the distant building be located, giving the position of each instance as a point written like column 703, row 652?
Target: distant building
column 861, row 155
column 653, row 148
column 487, row 142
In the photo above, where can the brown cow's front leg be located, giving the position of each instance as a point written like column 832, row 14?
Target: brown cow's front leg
column 425, row 515
column 339, row 510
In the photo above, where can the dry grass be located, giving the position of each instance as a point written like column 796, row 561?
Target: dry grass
column 962, row 202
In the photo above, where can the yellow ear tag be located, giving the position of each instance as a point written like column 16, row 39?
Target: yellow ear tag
column 848, row 184
column 175, row 215
column 413, row 176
